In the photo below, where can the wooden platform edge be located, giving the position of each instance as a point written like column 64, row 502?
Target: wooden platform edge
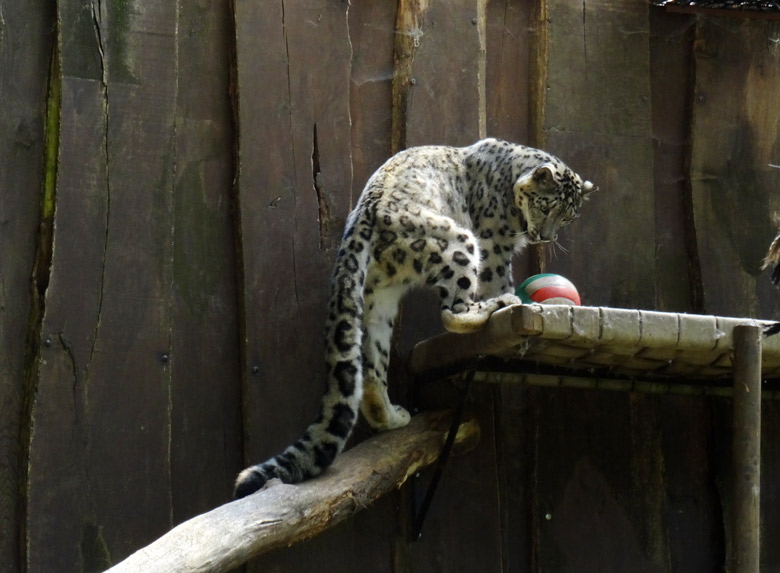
column 282, row 515
column 537, row 332
column 506, row 328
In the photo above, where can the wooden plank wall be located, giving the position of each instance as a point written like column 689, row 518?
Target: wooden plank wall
column 179, row 232
column 23, row 96
column 604, row 130
column 735, row 191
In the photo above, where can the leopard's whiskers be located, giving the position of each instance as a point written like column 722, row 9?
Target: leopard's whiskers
column 555, row 246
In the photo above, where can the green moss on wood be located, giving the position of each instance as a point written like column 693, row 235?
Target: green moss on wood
column 52, row 145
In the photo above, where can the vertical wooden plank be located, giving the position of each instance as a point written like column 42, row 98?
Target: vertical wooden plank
column 722, row 428
column 286, row 258
column 648, row 480
column 58, row 436
column 442, row 73
column 507, row 91
column 508, row 88
column 514, row 461
column 447, row 101
column 293, row 76
column 132, row 351
column 597, row 466
column 770, row 485
column 206, row 373
column 265, row 202
column 23, row 90
column 447, row 105
column 462, row 529
column 507, row 74
column 101, row 419
column 596, row 117
column 595, row 113
column 671, row 82
column 736, row 142
column 372, row 36
column 695, row 525
column 57, row 441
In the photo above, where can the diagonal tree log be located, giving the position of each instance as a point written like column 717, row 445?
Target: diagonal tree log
column 282, row 515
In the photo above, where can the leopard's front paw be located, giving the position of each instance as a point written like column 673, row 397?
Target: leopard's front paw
column 462, row 322
column 471, row 317
column 506, row 299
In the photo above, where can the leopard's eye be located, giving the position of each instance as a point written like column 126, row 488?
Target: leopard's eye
column 568, row 217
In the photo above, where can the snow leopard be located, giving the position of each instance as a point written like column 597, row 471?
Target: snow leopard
column 447, row 218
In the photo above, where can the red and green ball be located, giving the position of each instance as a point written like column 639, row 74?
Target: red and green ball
column 548, row 288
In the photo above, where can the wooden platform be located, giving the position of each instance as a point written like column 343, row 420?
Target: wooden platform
column 600, row 341
column 595, row 347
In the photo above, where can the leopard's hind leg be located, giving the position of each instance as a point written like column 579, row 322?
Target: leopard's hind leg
column 381, row 308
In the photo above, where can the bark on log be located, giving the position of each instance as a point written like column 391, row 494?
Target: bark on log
column 282, row 514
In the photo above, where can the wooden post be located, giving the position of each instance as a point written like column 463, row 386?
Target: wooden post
column 745, row 533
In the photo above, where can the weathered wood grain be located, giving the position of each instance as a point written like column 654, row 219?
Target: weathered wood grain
column 677, row 275
column 282, row 515
column 447, row 105
column 695, row 524
column 593, row 106
column 205, row 349
column 596, row 117
column 23, row 99
column 447, row 100
column 508, row 89
column 591, row 496
column 265, row 189
column 515, row 470
column 133, row 329
column 57, row 443
column 294, row 188
column 372, row 35
column 101, row 416
column 507, row 70
column 736, row 140
column 408, row 33
column 290, row 216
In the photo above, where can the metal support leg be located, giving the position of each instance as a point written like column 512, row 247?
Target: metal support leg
column 457, row 418
column 745, row 532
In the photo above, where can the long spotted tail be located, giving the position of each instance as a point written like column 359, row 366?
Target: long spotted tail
column 326, row 436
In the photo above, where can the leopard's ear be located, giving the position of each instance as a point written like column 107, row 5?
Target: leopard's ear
column 544, row 174
column 588, row 188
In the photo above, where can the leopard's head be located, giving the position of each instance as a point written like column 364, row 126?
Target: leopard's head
column 549, row 197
